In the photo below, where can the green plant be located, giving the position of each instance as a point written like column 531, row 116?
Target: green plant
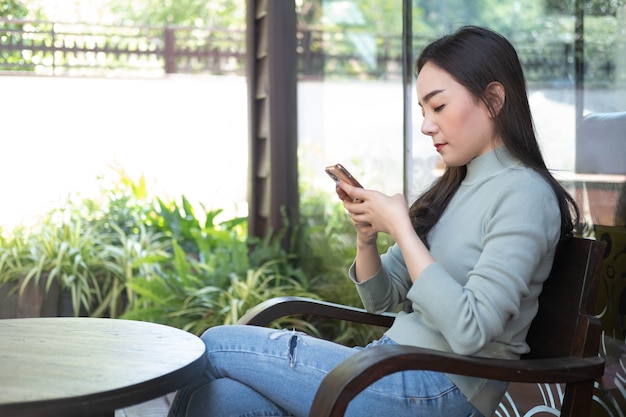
column 14, row 254
column 78, row 255
column 256, row 286
column 128, row 254
column 195, row 229
column 216, row 272
column 68, row 252
column 90, row 247
column 183, row 296
column 180, row 297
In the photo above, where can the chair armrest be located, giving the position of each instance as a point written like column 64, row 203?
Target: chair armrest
column 275, row 308
column 362, row 369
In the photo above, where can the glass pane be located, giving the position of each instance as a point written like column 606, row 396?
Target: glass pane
column 578, row 105
column 350, row 92
column 601, row 132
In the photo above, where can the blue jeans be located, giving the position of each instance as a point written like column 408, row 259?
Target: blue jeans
column 256, row 371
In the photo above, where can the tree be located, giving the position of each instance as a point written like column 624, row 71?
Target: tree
column 590, row 7
column 12, row 9
column 10, row 32
column 199, row 13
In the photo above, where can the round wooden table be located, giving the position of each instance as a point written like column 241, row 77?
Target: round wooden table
column 66, row 366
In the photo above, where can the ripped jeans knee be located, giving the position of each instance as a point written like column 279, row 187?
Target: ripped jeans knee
column 294, row 338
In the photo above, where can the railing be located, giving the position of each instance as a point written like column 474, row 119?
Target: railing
column 80, row 49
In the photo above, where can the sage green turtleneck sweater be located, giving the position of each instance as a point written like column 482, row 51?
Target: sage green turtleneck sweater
column 494, row 247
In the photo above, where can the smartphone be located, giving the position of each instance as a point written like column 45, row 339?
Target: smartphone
column 338, row 172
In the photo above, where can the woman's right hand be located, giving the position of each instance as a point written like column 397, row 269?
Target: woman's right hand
column 365, row 232
column 342, row 194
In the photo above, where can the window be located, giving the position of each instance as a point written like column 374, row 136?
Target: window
column 351, row 98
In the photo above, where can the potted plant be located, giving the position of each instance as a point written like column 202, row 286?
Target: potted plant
column 79, row 258
column 17, row 297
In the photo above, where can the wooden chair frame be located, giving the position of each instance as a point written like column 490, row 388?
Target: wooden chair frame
column 564, row 338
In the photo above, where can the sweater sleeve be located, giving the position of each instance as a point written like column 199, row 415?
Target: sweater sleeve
column 388, row 288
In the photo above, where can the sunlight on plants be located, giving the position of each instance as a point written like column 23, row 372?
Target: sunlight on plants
column 130, row 254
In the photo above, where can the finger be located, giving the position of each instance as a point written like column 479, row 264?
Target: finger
column 340, row 192
column 350, row 190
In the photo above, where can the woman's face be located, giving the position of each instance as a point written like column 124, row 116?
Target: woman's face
column 460, row 125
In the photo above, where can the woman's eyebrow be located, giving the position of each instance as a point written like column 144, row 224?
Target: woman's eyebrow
column 430, row 95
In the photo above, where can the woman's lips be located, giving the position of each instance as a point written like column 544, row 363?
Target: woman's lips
column 438, row 146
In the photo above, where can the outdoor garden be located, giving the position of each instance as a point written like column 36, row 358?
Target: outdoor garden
column 130, row 252
column 127, row 250
column 133, row 255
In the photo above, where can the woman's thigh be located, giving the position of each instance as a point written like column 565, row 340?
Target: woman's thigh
column 283, row 365
column 287, row 367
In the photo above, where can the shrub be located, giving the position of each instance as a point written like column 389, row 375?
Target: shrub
column 130, row 254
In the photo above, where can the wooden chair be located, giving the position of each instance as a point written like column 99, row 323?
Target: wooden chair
column 564, row 339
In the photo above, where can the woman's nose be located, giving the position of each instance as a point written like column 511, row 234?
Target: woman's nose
column 428, row 127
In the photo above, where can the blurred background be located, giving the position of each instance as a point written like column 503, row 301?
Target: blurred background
column 88, row 88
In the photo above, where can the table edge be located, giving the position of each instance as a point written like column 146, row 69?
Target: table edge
column 109, row 401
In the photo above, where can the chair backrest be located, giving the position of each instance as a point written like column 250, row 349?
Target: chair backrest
column 567, row 303
column 612, row 297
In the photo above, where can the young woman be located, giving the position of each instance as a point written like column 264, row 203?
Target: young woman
column 471, row 255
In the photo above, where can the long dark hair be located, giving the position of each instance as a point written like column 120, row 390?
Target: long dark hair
column 476, row 57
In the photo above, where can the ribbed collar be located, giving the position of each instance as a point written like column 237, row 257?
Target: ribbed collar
column 490, row 164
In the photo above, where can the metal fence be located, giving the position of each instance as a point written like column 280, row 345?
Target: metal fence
column 79, row 49
column 53, row 48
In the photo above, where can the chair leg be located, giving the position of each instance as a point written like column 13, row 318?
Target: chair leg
column 577, row 400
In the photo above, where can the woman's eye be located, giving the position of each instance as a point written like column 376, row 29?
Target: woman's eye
column 439, row 108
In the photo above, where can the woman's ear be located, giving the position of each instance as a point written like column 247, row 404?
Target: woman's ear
column 496, row 96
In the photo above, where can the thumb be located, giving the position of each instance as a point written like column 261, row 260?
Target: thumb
column 356, row 193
